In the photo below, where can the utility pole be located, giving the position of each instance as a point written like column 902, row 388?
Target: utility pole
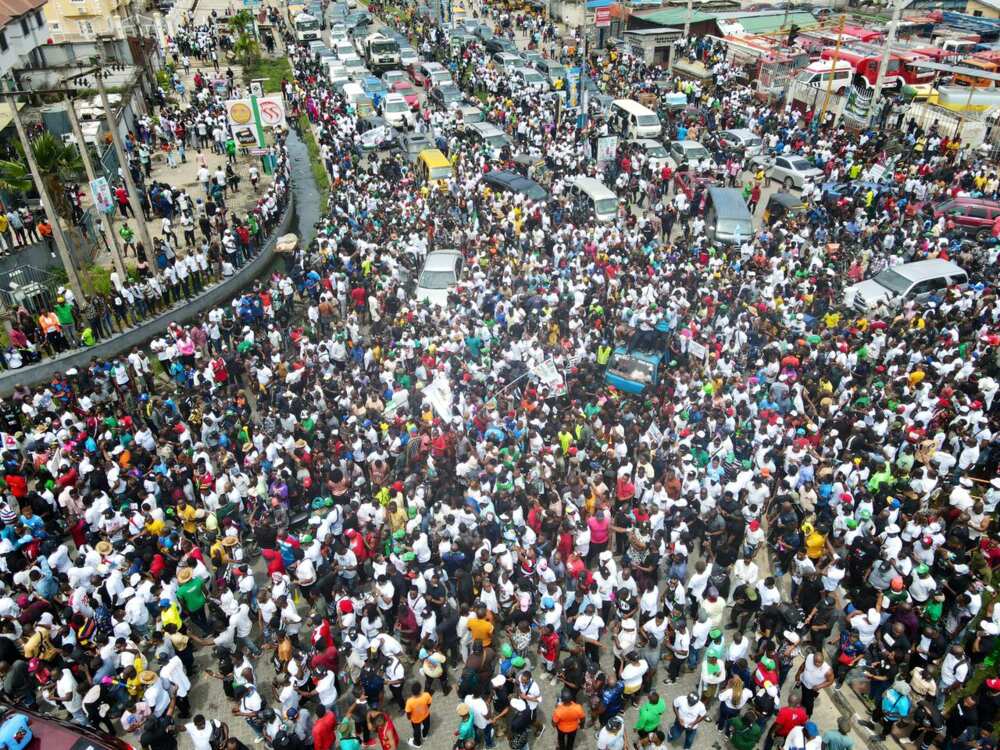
column 687, row 20
column 883, row 66
column 50, row 211
column 109, row 231
column 133, row 193
column 829, row 82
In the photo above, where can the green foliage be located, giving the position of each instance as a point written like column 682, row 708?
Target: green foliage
column 315, row 161
column 57, row 162
column 246, row 49
column 242, row 22
column 273, row 71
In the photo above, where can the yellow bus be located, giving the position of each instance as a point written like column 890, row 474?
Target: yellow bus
column 433, row 167
column 967, row 79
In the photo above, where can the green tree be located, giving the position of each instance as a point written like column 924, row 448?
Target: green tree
column 242, row 22
column 58, row 162
column 247, row 50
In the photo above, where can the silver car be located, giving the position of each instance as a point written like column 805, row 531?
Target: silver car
column 793, row 171
column 686, row 154
column 441, row 272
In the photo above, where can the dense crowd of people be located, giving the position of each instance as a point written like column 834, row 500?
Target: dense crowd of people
column 379, row 500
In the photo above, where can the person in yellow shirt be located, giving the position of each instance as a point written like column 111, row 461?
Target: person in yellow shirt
column 188, row 516
column 481, row 628
column 154, row 526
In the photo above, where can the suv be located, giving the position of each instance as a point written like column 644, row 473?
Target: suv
column 974, row 217
column 489, row 135
column 908, row 281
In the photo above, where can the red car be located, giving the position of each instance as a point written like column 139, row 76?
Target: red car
column 409, row 93
column 53, row 733
column 687, row 182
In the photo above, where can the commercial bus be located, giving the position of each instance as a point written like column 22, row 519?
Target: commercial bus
column 866, row 65
column 632, row 120
column 967, row 79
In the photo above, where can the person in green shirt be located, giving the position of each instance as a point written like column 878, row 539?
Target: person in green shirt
column 64, row 311
column 744, row 731
column 467, row 727
column 837, row 739
column 191, row 595
column 650, row 714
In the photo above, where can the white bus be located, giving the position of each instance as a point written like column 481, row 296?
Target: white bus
column 632, row 120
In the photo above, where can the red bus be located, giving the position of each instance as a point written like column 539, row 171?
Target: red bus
column 866, row 65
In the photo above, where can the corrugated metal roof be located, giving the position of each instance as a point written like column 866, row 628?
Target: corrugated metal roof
column 676, row 16
column 11, row 9
column 766, row 24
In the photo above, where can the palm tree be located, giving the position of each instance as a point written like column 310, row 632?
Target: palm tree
column 246, row 49
column 57, row 162
column 242, row 22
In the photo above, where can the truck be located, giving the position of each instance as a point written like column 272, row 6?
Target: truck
column 306, row 27
column 380, row 52
column 636, row 366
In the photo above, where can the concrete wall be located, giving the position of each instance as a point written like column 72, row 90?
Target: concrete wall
column 21, row 45
column 983, row 10
column 44, row 370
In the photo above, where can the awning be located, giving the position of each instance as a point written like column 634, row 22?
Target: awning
column 6, row 117
column 591, row 4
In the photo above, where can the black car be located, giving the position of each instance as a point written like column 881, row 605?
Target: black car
column 496, row 44
column 512, row 182
column 444, row 96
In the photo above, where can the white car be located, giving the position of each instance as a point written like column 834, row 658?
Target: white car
column 793, row 171
column 531, row 79
column 656, row 154
column 686, row 154
column 440, row 274
column 397, row 112
column 408, row 56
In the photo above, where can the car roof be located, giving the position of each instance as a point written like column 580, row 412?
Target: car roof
column 58, row 734
column 647, row 142
column 741, row 132
column 922, row 270
column 441, row 260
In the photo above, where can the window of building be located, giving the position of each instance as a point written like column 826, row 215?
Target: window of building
column 3, row 41
column 86, row 28
column 39, row 19
column 977, row 13
column 24, row 27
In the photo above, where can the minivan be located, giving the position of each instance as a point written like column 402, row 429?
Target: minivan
column 489, row 134
column 727, row 218
column 917, row 281
column 595, row 198
column 552, row 70
column 973, row 216
column 433, row 167
column 630, row 119
column 820, row 73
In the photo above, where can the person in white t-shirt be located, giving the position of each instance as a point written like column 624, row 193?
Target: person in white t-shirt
column 689, row 712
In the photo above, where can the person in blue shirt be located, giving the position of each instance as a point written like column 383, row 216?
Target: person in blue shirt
column 15, row 733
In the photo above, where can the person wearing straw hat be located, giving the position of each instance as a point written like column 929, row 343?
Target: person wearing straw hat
column 192, row 598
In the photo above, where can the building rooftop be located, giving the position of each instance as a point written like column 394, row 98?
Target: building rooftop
column 11, row 9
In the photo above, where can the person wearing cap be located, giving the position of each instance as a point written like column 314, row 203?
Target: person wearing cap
column 689, row 712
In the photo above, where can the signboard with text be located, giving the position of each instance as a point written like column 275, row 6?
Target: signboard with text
column 602, row 17
column 101, row 192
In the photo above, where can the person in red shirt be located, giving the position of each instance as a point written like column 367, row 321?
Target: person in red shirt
column 789, row 717
column 548, row 648
column 275, row 564
column 325, row 729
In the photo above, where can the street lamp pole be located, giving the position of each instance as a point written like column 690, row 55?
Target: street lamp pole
column 109, row 232
column 133, row 193
column 883, row 66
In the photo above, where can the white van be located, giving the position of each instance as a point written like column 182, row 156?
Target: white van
column 595, row 197
column 916, row 281
column 819, row 73
column 632, row 120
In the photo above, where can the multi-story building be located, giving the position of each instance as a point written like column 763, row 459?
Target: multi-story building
column 85, row 20
column 24, row 33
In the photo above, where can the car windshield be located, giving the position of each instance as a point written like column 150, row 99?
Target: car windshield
column 646, row 120
column 386, row 46
column 657, row 152
column 733, row 227
column 696, row 152
column 605, row 205
column 439, row 173
column 437, row 279
column 892, row 281
column 557, row 71
column 632, row 368
column 497, row 140
column 396, row 106
column 307, row 25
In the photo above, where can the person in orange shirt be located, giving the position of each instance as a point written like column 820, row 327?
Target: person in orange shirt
column 481, row 628
column 418, row 711
column 566, row 719
column 49, row 323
